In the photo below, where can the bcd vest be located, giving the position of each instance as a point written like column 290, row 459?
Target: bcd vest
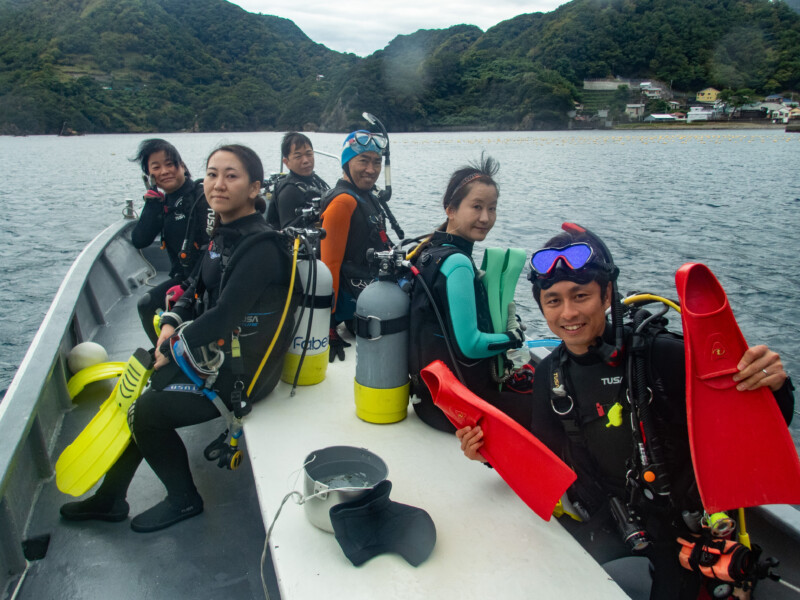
column 427, row 342
column 194, row 218
column 257, row 328
column 311, row 187
column 367, row 230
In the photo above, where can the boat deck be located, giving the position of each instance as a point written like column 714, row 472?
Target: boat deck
column 489, row 544
column 214, row 555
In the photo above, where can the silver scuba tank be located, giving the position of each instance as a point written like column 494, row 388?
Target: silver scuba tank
column 381, row 324
column 316, row 344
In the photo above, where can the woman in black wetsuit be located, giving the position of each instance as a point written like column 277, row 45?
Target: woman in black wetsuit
column 176, row 209
column 238, row 298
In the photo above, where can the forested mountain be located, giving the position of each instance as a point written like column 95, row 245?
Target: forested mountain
column 164, row 65
column 156, row 65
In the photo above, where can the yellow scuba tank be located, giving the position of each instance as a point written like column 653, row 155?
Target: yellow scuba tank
column 316, row 343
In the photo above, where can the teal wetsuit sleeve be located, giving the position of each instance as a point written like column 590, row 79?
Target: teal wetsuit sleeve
column 462, row 308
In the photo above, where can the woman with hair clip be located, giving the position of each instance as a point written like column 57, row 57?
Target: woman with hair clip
column 453, row 324
column 176, row 209
column 235, row 307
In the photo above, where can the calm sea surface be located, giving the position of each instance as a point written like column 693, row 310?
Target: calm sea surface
column 730, row 199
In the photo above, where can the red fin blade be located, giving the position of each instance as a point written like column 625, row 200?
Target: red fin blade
column 742, row 451
column 537, row 475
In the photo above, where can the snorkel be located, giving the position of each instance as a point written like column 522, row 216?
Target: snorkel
column 385, row 194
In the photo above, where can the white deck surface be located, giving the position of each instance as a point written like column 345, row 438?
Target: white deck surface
column 489, row 544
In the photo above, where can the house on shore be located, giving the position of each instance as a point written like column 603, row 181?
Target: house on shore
column 634, row 111
column 660, row 118
column 709, row 95
column 700, row 113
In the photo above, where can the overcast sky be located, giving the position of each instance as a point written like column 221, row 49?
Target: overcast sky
column 364, row 26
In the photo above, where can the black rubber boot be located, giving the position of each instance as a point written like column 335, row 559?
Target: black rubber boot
column 98, row 508
column 169, row 511
column 373, row 524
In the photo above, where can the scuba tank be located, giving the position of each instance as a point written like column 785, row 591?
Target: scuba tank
column 316, row 308
column 306, row 360
column 381, row 324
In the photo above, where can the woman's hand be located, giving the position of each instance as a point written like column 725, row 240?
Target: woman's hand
column 760, row 367
column 167, row 331
column 471, row 441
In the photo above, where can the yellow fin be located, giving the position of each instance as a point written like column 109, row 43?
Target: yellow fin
column 97, row 372
column 103, row 440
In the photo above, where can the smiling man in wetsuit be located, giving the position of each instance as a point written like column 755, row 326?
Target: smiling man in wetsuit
column 295, row 191
column 354, row 222
column 616, row 509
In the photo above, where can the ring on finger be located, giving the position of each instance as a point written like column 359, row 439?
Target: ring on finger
column 765, row 372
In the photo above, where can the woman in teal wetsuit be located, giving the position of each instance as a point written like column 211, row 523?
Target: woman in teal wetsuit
column 456, row 292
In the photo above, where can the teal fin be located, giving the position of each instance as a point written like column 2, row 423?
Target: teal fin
column 103, row 440
column 493, row 263
column 512, row 268
column 503, row 268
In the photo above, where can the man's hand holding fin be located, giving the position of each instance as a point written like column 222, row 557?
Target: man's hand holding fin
column 760, row 367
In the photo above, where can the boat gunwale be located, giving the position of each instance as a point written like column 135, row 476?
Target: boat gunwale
column 24, row 394
column 33, row 408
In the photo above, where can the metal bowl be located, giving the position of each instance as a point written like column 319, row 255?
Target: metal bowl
column 338, row 474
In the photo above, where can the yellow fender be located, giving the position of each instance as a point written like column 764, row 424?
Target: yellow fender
column 97, row 372
column 103, row 440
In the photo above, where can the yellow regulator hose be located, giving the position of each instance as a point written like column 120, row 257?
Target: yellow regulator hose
column 295, row 251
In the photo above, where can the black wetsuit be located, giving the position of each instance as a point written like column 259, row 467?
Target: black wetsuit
column 292, row 193
column 598, row 454
column 251, row 298
column 182, row 221
column 427, row 341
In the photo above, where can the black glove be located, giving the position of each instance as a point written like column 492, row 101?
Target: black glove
column 337, row 346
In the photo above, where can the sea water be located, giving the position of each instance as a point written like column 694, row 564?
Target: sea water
column 729, row 199
column 347, row 480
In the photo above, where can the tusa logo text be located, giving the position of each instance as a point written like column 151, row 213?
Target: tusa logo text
column 611, row 380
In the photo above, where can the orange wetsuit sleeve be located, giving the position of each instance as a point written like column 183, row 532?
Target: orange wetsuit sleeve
column 336, row 223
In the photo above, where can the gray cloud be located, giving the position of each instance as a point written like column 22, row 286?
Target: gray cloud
column 364, row 26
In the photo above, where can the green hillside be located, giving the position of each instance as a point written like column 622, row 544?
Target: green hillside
column 156, row 65
column 207, row 65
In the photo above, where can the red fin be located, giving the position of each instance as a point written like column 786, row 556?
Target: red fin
column 537, row 475
column 742, row 451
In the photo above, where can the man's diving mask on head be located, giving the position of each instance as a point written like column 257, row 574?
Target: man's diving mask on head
column 365, row 138
column 576, row 262
column 574, row 257
column 361, row 141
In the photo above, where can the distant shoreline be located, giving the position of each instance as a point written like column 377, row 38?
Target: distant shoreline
column 671, row 126
column 701, row 125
